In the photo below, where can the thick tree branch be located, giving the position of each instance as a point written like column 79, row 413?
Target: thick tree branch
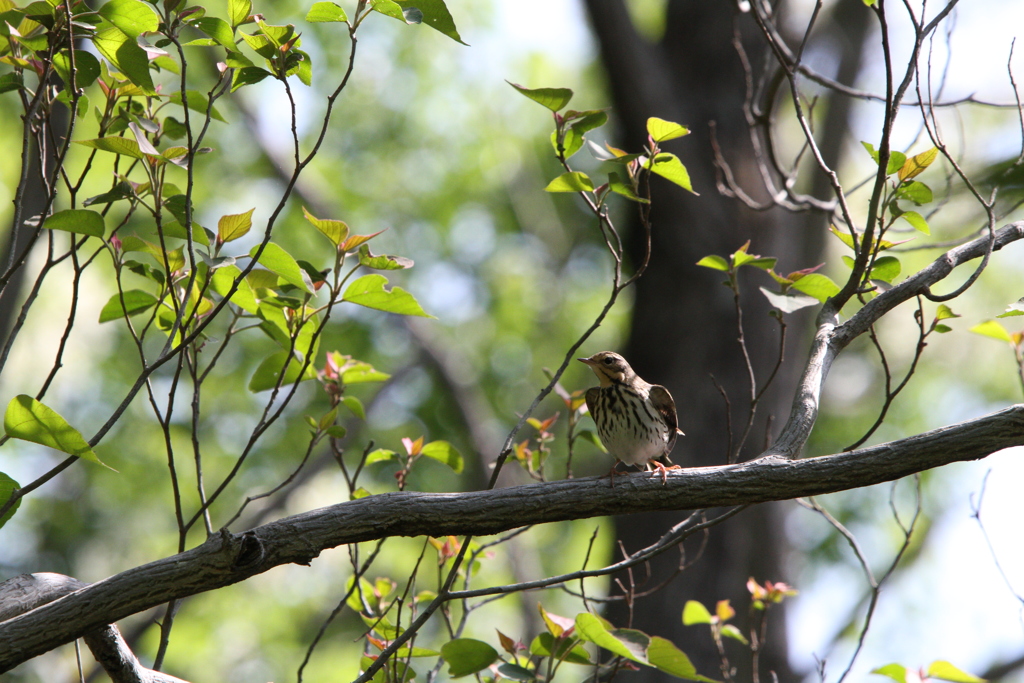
column 229, row 558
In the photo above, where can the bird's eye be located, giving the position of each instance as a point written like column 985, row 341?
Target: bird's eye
column 609, row 361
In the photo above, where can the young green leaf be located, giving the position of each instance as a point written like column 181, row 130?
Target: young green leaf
column 715, row 262
column 552, row 98
column 355, row 406
column 135, row 301
column 79, row 221
column 335, row 231
column 661, row 130
column 821, row 287
column 239, row 10
column 990, row 328
column 29, row 420
column 124, row 146
column 467, row 656
column 616, row 184
column 626, row 643
column 916, row 192
column 233, row 226
column 945, row 671
column 695, row 613
column 590, row 436
column 277, row 260
column 382, row 262
column 325, row 12
column 669, row 167
column 917, row 221
column 269, row 371
column 575, row 181
column 915, row 165
column 132, row 17
column 443, row 452
column 434, row 14
column 369, row 291
column 886, row 269
column 896, row 672
column 125, row 54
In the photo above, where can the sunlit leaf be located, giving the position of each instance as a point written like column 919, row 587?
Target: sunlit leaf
column 7, row 488
column 575, row 181
column 325, row 12
column 132, row 17
column 821, row 287
column 552, row 98
column 669, row 167
column 945, row 671
column 714, row 262
column 443, row 452
column 29, row 420
column 268, row 374
column 661, row 130
column 918, row 163
column 896, row 672
column 886, row 268
column 370, row 291
column 664, row 655
column 990, row 328
column 434, row 14
column 695, row 613
column 277, row 260
column 917, row 221
column 80, row 221
column 233, row 226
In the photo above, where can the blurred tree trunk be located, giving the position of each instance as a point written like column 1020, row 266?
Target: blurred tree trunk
column 684, row 321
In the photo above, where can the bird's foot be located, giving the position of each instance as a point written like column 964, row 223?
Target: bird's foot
column 663, row 470
column 611, row 473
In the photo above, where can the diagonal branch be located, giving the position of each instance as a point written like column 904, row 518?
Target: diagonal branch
column 228, row 558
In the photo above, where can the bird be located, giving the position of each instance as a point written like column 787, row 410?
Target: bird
column 636, row 420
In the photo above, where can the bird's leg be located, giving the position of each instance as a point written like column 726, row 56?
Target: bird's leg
column 663, row 469
column 611, row 472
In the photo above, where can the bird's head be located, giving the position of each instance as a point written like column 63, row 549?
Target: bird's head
column 610, row 368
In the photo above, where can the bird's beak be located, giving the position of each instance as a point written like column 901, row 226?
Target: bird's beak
column 588, row 361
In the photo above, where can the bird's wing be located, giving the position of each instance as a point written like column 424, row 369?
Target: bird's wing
column 663, row 402
column 591, row 398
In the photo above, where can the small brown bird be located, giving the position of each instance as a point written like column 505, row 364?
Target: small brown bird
column 635, row 420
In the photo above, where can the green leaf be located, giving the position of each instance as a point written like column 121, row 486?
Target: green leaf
column 435, row 15
column 669, row 167
column 277, row 260
column 575, row 181
column 233, row 226
column 896, row 161
column 135, row 301
column 871, row 150
column 664, row 655
column 514, row 672
column 382, row 262
column 132, row 17
column 552, row 98
column 444, row 452
column 695, row 613
column 325, row 12
column 335, row 231
column 590, row 436
column 915, row 165
column 380, row 455
column 79, row 221
column 588, row 120
column 616, row 185
column 197, row 101
column 896, row 672
column 661, row 130
column 87, row 67
column 945, row 671
column 248, row 75
column 355, row 405
column 244, row 297
column 9, row 82
column 625, row 642
column 268, row 372
column 990, row 328
column 218, row 29
column 916, row 192
column 360, row 373
column 124, row 146
column 714, row 262
column 821, row 287
column 564, row 649
column 369, row 291
column 125, row 54
column 29, row 420
column 917, row 221
column 1014, row 309
column 239, row 11
column 886, row 269
column 467, row 656
column 7, row 488
column 730, row 631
